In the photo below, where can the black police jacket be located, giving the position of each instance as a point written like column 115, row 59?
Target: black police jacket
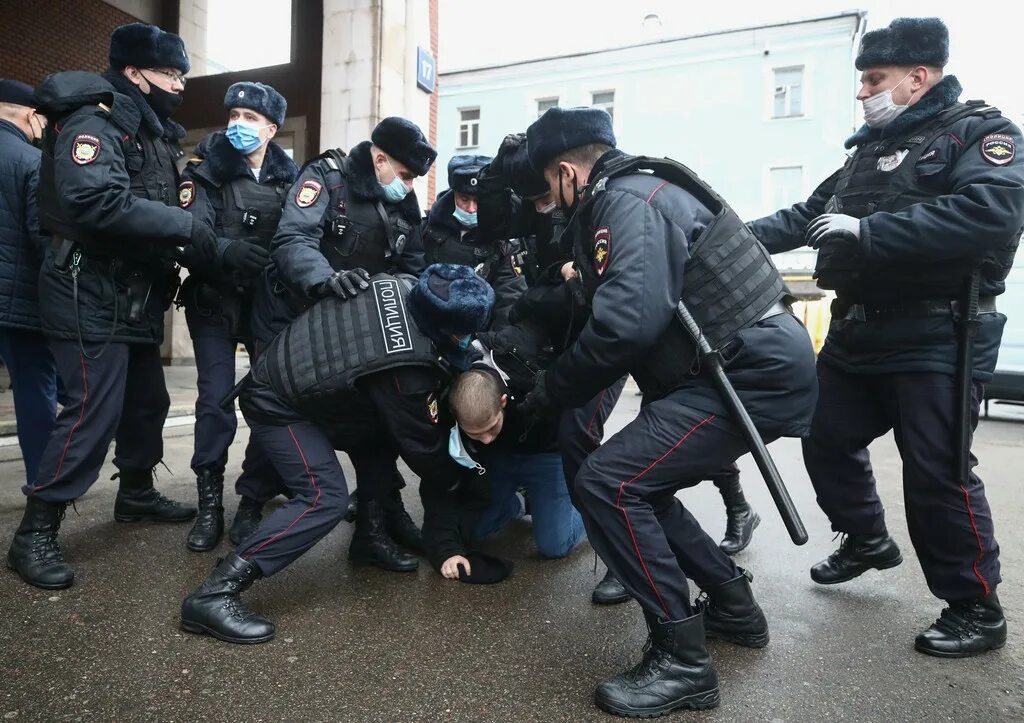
column 977, row 208
column 109, row 185
column 445, row 241
column 642, row 230
column 218, row 188
column 331, row 221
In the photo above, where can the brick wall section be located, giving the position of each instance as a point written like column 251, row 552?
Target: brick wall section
column 432, row 131
column 44, row 36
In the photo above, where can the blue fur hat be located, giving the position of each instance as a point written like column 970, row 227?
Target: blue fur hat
column 562, row 129
column 450, row 299
column 404, row 141
column 259, row 97
column 907, row 41
column 146, row 46
column 464, row 172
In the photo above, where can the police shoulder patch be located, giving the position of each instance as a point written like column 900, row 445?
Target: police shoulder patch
column 85, row 149
column 432, row 410
column 998, row 149
column 602, row 249
column 308, row 193
column 186, row 193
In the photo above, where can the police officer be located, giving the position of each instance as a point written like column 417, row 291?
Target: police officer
column 345, row 218
column 928, row 207
column 106, row 194
column 451, row 236
column 236, row 184
column 645, row 240
column 364, row 377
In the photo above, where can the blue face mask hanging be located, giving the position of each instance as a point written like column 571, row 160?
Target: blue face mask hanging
column 457, row 451
column 245, row 137
column 396, row 190
column 466, row 219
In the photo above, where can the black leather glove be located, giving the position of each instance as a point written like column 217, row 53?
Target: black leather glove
column 204, row 243
column 345, row 284
column 537, row 402
column 833, row 228
column 245, row 258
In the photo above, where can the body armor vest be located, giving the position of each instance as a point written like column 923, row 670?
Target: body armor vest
column 729, row 283
column 359, row 233
column 443, row 245
column 334, row 343
column 250, row 210
column 883, row 176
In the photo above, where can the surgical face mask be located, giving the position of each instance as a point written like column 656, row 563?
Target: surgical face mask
column 880, row 109
column 464, row 342
column 396, row 190
column 457, row 451
column 464, row 217
column 245, row 137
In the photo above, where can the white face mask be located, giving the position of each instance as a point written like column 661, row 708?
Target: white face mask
column 880, row 109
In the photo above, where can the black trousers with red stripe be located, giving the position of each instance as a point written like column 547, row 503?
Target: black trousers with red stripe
column 626, row 490
column 120, row 396
column 950, row 523
column 580, row 430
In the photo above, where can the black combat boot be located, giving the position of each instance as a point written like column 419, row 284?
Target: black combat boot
column 371, row 544
column 353, row 506
column 399, row 525
column 732, row 614
column 740, row 518
column 35, row 554
column 248, row 517
column 609, row 591
column 216, row 609
column 856, row 555
column 138, row 501
column 965, row 628
column 209, row 524
column 676, row 672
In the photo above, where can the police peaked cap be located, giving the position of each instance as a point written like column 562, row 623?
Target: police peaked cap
column 259, row 97
column 464, row 172
column 907, row 41
column 562, row 129
column 16, row 93
column 450, row 299
column 404, row 141
column 146, row 46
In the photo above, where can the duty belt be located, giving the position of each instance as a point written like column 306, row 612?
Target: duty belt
column 907, row 309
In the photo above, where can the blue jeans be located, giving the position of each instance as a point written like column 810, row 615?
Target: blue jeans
column 34, row 383
column 557, row 526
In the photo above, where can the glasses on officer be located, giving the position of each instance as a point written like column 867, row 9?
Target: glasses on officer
column 172, row 75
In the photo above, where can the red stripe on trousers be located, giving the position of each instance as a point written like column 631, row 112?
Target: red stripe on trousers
column 77, row 424
column 977, row 537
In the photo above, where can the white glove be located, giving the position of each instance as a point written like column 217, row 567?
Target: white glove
column 833, row 227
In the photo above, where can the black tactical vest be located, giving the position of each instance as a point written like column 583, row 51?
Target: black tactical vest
column 884, row 176
column 359, row 233
column 334, row 343
column 729, row 283
column 444, row 245
column 152, row 174
column 249, row 210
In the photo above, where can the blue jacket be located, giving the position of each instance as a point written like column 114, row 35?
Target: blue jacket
column 21, row 245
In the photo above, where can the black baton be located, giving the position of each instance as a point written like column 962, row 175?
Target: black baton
column 968, row 323
column 769, row 471
column 228, row 402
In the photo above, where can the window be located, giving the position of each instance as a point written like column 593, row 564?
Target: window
column 605, row 100
column 789, row 90
column 223, row 40
column 785, row 186
column 544, row 103
column 469, row 128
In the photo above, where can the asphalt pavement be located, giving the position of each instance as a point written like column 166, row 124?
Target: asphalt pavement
column 365, row 645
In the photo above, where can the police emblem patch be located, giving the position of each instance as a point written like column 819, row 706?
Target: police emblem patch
column 307, row 194
column 602, row 249
column 998, row 149
column 186, row 193
column 432, row 407
column 891, row 162
column 85, row 149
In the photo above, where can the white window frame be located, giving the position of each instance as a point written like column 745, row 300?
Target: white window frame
column 605, row 105
column 468, row 126
column 804, row 95
column 545, row 99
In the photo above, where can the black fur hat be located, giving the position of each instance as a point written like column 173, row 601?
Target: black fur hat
column 259, row 97
column 146, row 46
column 562, row 129
column 464, row 173
column 907, row 41
column 450, row 299
column 526, row 182
column 404, row 141
column 17, row 93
